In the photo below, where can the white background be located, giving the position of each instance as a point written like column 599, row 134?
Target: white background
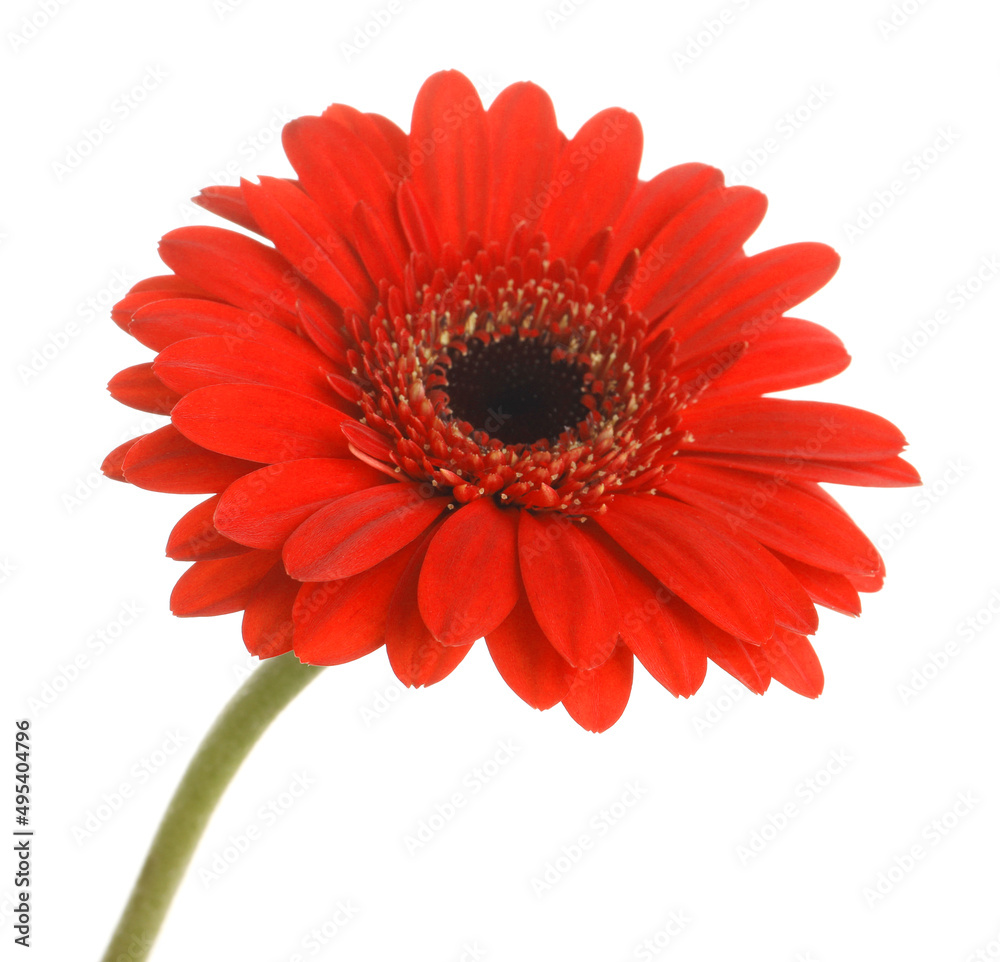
column 712, row 771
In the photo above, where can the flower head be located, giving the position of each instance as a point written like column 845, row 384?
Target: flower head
column 479, row 380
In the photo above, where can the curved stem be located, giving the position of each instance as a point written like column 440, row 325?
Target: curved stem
column 244, row 719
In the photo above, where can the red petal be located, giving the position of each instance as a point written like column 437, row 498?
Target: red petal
column 746, row 297
column 792, row 606
column 417, row 221
column 748, row 664
column 659, row 628
column 356, row 532
column 299, row 230
column 569, row 591
column 699, row 239
column 263, row 508
column 449, row 149
column 229, row 202
column 237, row 269
column 260, row 423
column 196, row 538
column 112, row 465
column 140, row 388
column 794, row 663
column 364, row 440
column 672, row 542
column 415, row 655
column 469, row 583
column 267, row 621
column 200, row 361
column 338, row 621
column 169, row 285
column 381, row 250
column 533, row 669
column 320, row 326
column 598, row 697
column 524, row 143
column 149, row 290
column 866, row 583
column 889, row 473
column 167, row 461
column 595, row 250
column 795, row 518
column 791, row 353
column 221, row 586
column 163, row 322
column 652, row 204
column 593, row 179
column 337, row 167
column 825, row 587
column 381, row 136
column 795, row 429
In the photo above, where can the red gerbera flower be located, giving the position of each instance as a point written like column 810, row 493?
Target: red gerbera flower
column 481, row 380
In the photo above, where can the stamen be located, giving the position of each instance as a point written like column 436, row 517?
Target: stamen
column 511, row 380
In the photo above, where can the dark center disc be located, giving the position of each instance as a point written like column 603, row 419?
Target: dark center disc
column 513, row 390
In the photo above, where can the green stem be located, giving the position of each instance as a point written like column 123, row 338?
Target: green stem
column 244, row 719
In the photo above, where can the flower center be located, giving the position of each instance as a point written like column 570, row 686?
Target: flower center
column 514, row 390
column 511, row 376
